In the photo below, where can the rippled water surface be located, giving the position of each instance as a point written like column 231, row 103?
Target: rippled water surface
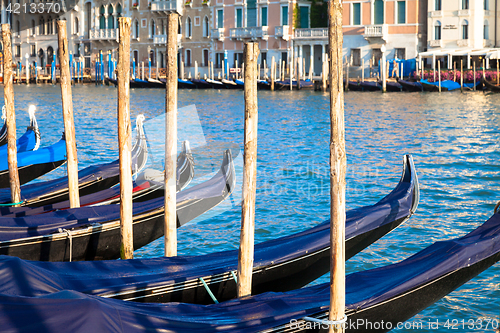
column 453, row 137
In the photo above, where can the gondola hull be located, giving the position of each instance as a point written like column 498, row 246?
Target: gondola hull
column 201, row 84
column 30, row 172
column 411, row 86
column 490, row 86
column 370, row 86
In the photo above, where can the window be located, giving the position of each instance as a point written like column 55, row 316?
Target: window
column 111, row 19
column 42, row 26
column 102, row 19
column 188, row 58
column 206, row 27
column 135, row 32
column 33, row 28
column 378, row 9
column 486, row 5
column 400, row 53
column 356, row 13
column 465, row 30
column 356, row 57
column 284, row 15
column 152, row 28
column 263, row 16
column 401, row 12
column 220, row 18
column 33, row 50
column 76, row 28
column 437, row 4
column 50, row 26
column 18, row 27
column 18, row 50
column 239, row 18
column 219, row 58
column 205, row 58
column 284, row 57
column 437, row 31
column 263, row 57
column 238, row 57
column 188, row 27
column 465, row 4
column 136, row 57
column 304, row 16
column 376, row 56
column 486, row 34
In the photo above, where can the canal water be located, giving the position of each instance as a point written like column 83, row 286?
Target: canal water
column 453, row 137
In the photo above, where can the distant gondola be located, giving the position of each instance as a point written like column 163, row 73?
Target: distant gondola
column 281, row 264
column 411, row 86
column 201, row 84
column 491, row 86
column 156, row 84
column 353, row 86
column 182, row 84
column 263, row 85
column 370, row 86
column 216, row 84
column 392, row 86
column 284, row 85
column 134, row 83
column 446, row 85
column 93, row 233
column 230, row 84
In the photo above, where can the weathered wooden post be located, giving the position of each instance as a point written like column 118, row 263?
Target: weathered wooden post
column 461, row 75
column 182, row 70
column 454, row 71
column 439, row 75
column 498, row 71
column 290, row 65
column 142, row 70
column 258, row 72
column 299, row 72
column 273, row 73
column 324, row 75
column 337, row 169
column 246, row 250
column 196, row 70
column 383, row 70
column 223, row 66
column 67, row 106
column 8, row 95
column 347, row 76
column 125, row 139
column 484, row 77
column 474, row 73
column 171, row 137
column 363, row 70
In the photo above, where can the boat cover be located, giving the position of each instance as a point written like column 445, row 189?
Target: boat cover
column 411, row 83
column 72, row 311
column 105, row 277
column 54, row 153
column 28, row 141
column 448, row 84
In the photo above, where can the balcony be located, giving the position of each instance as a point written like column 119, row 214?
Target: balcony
column 282, row 31
column 104, row 34
column 376, row 33
column 436, row 43
column 311, row 33
column 464, row 12
column 463, row 42
column 164, row 7
column 248, row 33
column 217, row 34
column 162, row 39
column 436, row 13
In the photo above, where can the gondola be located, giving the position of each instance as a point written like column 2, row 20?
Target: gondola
column 91, row 179
column 392, row 86
column 410, row 86
column 386, row 295
column 282, row 264
column 93, row 233
column 446, row 85
column 30, row 140
column 201, row 84
column 263, row 85
column 230, row 84
column 156, row 84
column 370, row 86
column 216, row 84
column 284, row 85
column 490, row 86
column 182, row 84
column 353, row 86
column 134, row 83
column 3, row 130
column 147, row 186
column 33, row 164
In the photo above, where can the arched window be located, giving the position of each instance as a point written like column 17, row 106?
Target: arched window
column 152, row 57
column 50, row 26
column 50, row 55
column 42, row 26
column 102, row 19
column 111, row 19
column 205, row 58
column 437, row 30
column 206, row 27
column 76, row 28
column 486, row 33
column 33, row 27
column 188, row 27
column 119, row 10
column 152, row 28
column 465, row 29
column 135, row 32
column 188, row 58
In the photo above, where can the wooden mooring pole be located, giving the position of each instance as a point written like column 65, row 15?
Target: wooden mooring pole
column 474, row 73
column 245, row 257
column 125, row 139
column 273, row 73
column 439, row 75
column 461, row 75
column 338, row 167
column 498, row 70
column 67, row 108
column 171, row 137
column 8, row 95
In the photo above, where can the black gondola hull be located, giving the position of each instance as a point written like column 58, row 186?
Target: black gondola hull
column 30, row 172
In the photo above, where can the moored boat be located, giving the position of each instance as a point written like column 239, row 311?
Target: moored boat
column 411, row 86
column 491, row 86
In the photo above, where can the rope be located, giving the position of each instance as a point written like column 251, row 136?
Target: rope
column 496, row 207
column 327, row 322
column 70, row 236
column 209, row 291
column 11, row 204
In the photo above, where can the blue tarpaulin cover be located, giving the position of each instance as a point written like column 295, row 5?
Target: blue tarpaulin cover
column 25, row 143
column 71, row 311
column 54, row 153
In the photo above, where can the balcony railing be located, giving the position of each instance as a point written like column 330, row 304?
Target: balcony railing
column 162, row 39
column 463, row 42
column 282, row 31
column 437, row 13
column 249, row 33
column 109, row 34
column 311, row 33
column 167, row 6
column 217, row 34
column 464, row 12
column 436, row 43
column 378, row 30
